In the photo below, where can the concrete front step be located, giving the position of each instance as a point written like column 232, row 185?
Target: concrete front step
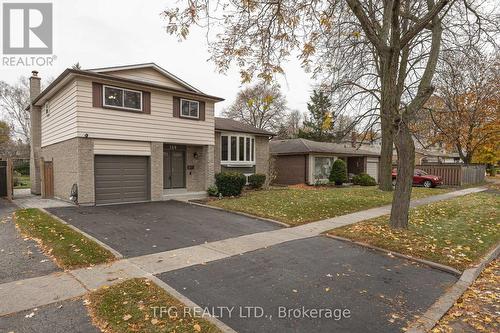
column 183, row 195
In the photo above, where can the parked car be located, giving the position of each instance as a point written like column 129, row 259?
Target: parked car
column 420, row 177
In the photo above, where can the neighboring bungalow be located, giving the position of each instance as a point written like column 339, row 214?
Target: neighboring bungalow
column 298, row 161
column 133, row 133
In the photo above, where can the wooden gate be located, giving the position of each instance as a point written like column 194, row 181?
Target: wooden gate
column 48, row 179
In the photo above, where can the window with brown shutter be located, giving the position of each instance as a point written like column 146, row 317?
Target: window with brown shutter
column 188, row 108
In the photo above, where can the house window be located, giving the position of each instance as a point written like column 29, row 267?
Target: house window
column 190, row 109
column 234, row 148
column 238, row 149
column 122, row 98
column 322, row 167
column 225, row 145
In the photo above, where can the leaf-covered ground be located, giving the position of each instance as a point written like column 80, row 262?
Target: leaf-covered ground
column 69, row 248
column 454, row 232
column 479, row 307
column 297, row 206
column 130, row 307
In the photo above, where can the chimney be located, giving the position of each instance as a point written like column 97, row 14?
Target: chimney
column 35, row 135
column 34, row 85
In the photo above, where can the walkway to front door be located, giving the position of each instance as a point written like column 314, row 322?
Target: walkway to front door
column 174, row 166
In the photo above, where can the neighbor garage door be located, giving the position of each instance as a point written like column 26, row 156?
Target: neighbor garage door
column 121, row 179
column 372, row 165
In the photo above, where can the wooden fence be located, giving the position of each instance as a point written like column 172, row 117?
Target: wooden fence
column 456, row 174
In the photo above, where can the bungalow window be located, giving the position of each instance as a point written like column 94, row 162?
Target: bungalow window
column 190, row 109
column 122, row 98
column 238, row 149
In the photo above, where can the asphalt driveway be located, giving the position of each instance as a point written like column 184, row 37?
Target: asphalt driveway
column 145, row 228
column 381, row 293
column 20, row 258
column 61, row 317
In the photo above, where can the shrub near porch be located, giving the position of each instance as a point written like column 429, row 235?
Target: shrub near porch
column 298, row 206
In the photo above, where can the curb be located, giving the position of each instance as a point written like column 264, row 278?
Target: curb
column 430, row 318
column 283, row 224
column 431, row 264
column 117, row 254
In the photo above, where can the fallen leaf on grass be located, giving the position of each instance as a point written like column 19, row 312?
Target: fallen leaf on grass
column 197, row 327
column 127, row 317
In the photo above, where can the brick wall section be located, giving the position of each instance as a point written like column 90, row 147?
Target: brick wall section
column 64, row 157
column 86, row 191
column 35, row 143
column 209, row 153
column 156, row 170
column 262, row 155
column 195, row 178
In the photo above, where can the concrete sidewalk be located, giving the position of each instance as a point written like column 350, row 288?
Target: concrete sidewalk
column 78, row 282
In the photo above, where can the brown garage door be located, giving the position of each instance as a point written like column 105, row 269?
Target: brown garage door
column 290, row 169
column 121, row 179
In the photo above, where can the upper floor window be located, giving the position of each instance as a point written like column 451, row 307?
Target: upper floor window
column 190, row 109
column 122, row 98
column 237, row 149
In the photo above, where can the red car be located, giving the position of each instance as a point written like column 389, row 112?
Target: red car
column 420, row 177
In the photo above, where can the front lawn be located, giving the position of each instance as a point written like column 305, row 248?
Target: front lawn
column 69, row 248
column 139, row 305
column 297, row 206
column 455, row 232
column 22, row 182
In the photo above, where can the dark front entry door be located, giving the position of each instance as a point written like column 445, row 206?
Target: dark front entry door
column 174, row 167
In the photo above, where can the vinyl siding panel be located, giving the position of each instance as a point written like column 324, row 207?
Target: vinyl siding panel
column 120, row 147
column 60, row 123
column 159, row 126
column 146, row 74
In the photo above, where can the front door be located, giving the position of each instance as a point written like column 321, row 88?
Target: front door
column 174, row 166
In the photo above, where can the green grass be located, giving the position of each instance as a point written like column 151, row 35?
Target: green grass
column 69, row 248
column 129, row 307
column 299, row 206
column 455, row 232
column 23, row 182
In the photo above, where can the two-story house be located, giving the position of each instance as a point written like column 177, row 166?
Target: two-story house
column 133, row 133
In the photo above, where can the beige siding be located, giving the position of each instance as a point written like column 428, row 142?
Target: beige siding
column 159, row 126
column 60, row 123
column 121, row 147
column 146, row 74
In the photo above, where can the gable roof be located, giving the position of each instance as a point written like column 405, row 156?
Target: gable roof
column 152, row 65
column 230, row 125
column 303, row 146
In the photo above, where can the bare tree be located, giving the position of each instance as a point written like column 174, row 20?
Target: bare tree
column 395, row 45
column 260, row 105
column 291, row 126
column 13, row 101
column 466, row 110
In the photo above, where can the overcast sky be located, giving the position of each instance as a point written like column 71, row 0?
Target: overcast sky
column 120, row 32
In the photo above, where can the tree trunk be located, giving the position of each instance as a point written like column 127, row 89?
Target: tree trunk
column 404, row 180
column 386, row 152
